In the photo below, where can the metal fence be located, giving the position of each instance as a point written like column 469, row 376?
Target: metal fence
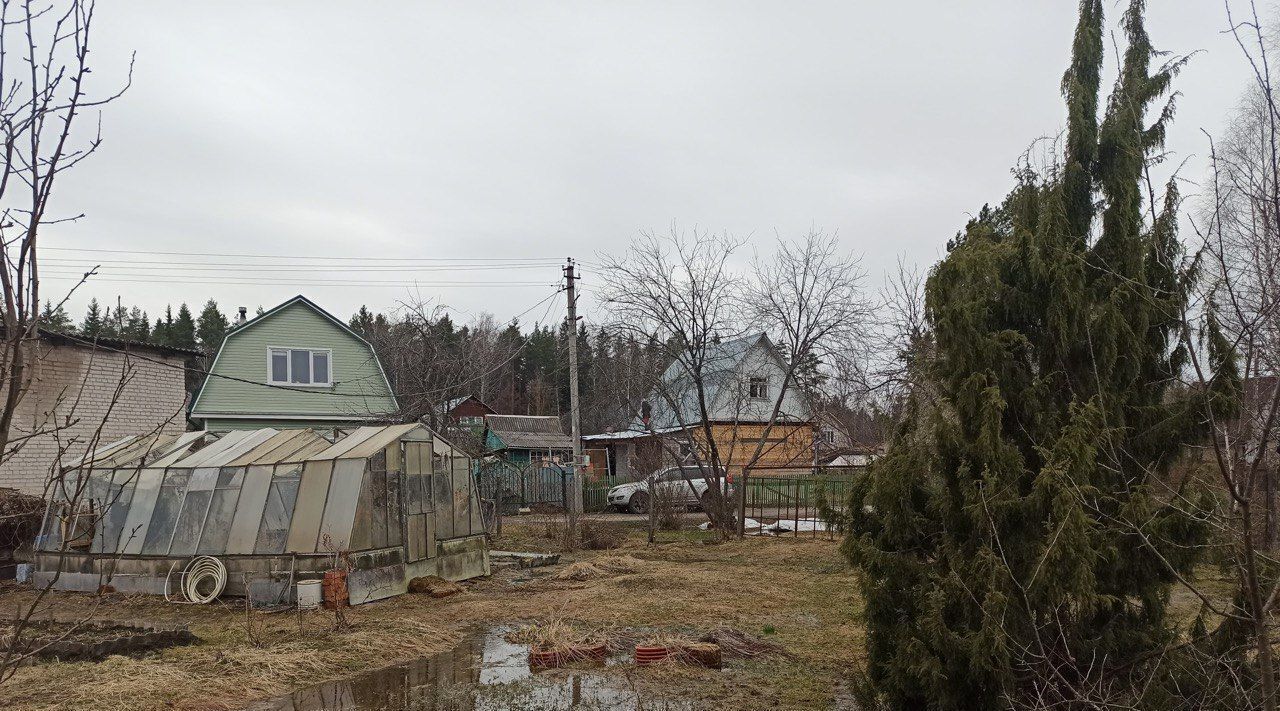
column 782, row 505
column 790, row 505
column 513, row 487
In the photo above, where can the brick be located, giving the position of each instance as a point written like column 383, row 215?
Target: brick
column 70, row 397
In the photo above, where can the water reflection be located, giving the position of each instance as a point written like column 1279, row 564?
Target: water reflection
column 483, row 673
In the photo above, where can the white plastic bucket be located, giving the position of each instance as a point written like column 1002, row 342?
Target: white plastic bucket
column 309, row 594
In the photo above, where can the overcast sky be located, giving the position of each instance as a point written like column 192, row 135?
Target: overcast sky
column 544, row 130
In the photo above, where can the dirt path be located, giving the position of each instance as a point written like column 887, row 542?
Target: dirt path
column 797, row 593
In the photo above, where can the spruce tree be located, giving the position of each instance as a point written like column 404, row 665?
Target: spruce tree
column 211, row 327
column 362, row 322
column 138, row 326
column 91, row 326
column 162, row 332
column 1011, row 543
column 116, row 322
column 182, row 334
column 55, row 319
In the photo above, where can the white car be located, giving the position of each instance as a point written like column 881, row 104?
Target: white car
column 687, row 487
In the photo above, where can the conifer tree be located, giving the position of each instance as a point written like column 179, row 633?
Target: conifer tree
column 116, row 322
column 162, row 332
column 55, row 319
column 362, row 322
column 91, row 326
column 182, row 334
column 1010, row 545
column 211, row 327
column 137, row 326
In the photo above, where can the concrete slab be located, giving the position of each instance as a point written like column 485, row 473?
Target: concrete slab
column 522, row 559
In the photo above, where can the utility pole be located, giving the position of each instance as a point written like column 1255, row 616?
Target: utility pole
column 573, row 507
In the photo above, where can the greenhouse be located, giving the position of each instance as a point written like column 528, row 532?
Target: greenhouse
column 275, row 507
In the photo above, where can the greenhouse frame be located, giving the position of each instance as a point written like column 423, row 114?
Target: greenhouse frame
column 276, row 507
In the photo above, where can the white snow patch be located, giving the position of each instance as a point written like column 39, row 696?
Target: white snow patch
column 803, row 525
column 752, row 525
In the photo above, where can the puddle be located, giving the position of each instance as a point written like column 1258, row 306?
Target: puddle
column 483, row 673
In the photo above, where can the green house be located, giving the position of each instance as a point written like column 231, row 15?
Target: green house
column 294, row 366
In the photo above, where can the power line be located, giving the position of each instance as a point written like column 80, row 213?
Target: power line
column 209, row 374
column 544, row 260
column 251, row 266
column 248, row 281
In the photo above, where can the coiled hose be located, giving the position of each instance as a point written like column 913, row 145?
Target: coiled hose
column 201, row 582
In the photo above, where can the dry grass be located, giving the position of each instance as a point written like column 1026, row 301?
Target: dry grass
column 799, row 588
column 670, row 640
column 601, row 567
column 554, row 636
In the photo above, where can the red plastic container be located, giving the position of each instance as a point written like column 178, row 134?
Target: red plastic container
column 651, row 654
column 334, row 589
column 544, row 659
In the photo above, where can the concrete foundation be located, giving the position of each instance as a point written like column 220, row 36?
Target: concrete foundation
column 374, row 575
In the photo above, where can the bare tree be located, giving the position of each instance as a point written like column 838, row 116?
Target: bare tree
column 77, row 503
column 42, row 95
column 809, row 296
column 681, row 290
column 44, row 69
column 717, row 410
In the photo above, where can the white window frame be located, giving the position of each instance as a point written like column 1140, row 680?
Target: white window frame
column 764, row 381
column 289, row 367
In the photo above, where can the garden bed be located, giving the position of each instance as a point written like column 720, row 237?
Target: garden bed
column 74, row 641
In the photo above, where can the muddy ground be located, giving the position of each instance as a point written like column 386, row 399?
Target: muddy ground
column 797, row 593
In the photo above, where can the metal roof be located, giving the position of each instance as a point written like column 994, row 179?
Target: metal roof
column 529, row 432
column 629, row 434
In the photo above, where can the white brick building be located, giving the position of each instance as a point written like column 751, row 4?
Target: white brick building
column 70, row 397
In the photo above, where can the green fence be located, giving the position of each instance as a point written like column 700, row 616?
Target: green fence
column 595, row 494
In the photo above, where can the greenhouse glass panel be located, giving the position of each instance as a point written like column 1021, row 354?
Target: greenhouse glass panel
column 442, row 494
column 413, row 495
column 394, row 537
column 340, row 510
column 378, row 508
column 186, row 535
column 190, row 522
column 165, row 516
column 142, row 504
column 111, row 531
column 97, row 495
column 217, row 524
column 362, row 529
column 51, row 536
column 248, row 518
column 464, row 497
column 304, row 530
column 278, row 511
